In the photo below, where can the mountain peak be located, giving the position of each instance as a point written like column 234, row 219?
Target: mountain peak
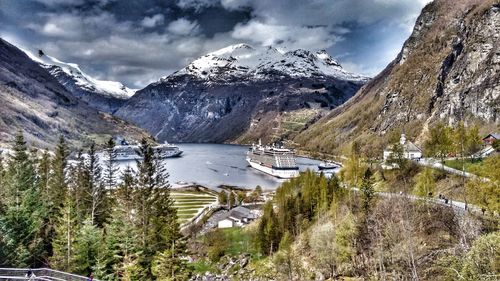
column 246, row 61
column 231, row 49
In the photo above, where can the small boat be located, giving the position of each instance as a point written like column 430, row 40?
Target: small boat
column 327, row 166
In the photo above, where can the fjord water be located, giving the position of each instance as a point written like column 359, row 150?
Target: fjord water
column 212, row 165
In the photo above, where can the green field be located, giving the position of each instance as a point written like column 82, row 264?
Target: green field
column 470, row 166
column 237, row 241
column 188, row 204
column 191, row 204
column 240, row 241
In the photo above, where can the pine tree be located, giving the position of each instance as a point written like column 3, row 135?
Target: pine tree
column 110, row 171
column 268, row 237
column 325, row 194
column 86, row 247
column 57, row 181
column 338, row 196
column 168, row 265
column 147, row 185
column 43, row 172
column 22, row 217
column 57, row 190
column 119, row 255
column 78, row 185
column 66, row 229
column 96, row 190
column 353, row 168
column 367, row 190
column 125, row 193
column 43, row 175
column 156, row 217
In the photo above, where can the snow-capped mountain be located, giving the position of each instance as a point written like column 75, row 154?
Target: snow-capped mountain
column 33, row 100
column 243, row 60
column 83, row 80
column 242, row 93
column 103, row 95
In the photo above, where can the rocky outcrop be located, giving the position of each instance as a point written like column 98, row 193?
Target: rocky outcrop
column 33, row 101
column 232, row 268
column 448, row 70
column 241, row 93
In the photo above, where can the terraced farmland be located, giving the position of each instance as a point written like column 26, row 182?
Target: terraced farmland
column 189, row 203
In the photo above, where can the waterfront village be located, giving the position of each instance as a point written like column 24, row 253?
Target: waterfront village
column 237, row 207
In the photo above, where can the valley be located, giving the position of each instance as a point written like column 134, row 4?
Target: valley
column 238, row 140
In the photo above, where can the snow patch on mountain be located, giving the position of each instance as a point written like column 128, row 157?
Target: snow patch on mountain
column 260, row 62
column 83, row 80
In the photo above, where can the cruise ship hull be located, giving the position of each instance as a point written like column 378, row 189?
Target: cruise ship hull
column 279, row 173
column 171, row 154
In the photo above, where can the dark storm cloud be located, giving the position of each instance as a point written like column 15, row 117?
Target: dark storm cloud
column 138, row 41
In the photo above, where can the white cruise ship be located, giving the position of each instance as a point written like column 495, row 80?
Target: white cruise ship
column 275, row 161
column 129, row 152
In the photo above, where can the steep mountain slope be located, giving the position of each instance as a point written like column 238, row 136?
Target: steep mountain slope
column 105, row 96
column 448, row 70
column 241, row 93
column 32, row 100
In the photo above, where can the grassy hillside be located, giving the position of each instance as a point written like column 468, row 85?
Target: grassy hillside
column 317, row 229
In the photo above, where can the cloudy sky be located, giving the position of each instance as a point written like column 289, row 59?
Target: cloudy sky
column 138, row 41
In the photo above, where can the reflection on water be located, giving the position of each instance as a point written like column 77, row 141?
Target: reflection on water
column 213, row 165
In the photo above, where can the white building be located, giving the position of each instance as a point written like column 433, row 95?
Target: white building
column 410, row 150
column 238, row 216
column 225, row 223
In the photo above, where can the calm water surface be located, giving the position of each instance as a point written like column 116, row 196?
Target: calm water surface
column 212, row 165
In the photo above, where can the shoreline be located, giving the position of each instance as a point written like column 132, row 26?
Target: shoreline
column 199, row 187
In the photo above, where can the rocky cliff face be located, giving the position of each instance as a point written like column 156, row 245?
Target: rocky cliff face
column 33, row 101
column 241, row 93
column 448, row 70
